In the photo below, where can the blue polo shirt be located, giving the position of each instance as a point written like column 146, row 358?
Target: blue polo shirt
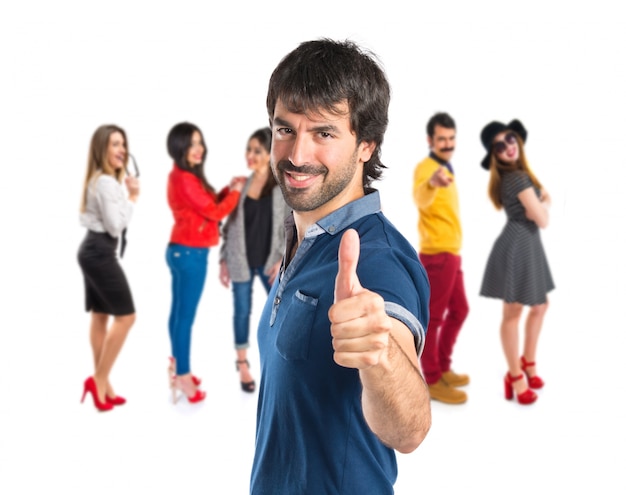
column 311, row 436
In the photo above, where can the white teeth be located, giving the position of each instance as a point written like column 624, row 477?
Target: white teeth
column 300, row 178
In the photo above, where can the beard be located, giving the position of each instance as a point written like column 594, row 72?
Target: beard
column 311, row 198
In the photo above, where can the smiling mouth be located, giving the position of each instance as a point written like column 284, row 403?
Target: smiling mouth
column 299, row 177
column 301, row 174
column 299, row 182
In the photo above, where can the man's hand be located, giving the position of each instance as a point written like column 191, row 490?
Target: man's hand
column 359, row 325
column 440, row 178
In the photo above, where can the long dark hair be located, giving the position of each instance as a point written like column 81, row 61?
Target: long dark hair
column 178, row 144
column 264, row 137
column 323, row 74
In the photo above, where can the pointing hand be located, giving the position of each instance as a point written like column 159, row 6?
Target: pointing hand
column 440, row 178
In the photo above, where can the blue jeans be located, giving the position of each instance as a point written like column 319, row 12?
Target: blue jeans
column 242, row 299
column 189, row 268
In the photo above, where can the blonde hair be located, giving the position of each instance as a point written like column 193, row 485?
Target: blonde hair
column 97, row 162
column 497, row 167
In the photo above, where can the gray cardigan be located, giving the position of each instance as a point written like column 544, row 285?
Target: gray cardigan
column 233, row 248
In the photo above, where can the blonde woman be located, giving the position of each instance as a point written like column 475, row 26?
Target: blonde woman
column 106, row 210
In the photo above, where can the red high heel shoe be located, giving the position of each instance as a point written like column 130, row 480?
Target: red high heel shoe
column 196, row 381
column 525, row 398
column 198, row 396
column 118, row 400
column 90, row 386
column 533, row 381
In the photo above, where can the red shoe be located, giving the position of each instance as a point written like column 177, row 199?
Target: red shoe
column 525, row 398
column 90, row 386
column 196, row 381
column 115, row 401
column 533, row 381
column 198, row 396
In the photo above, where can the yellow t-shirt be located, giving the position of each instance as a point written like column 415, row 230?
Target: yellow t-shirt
column 439, row 224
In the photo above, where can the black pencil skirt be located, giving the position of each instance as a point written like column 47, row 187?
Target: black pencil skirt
column 106, row 288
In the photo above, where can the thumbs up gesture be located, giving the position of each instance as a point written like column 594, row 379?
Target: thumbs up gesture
column 358, row 322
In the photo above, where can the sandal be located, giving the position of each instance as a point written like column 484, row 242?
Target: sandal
column 246, row 386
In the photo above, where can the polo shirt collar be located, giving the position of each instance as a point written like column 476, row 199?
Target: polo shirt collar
column 339, row 219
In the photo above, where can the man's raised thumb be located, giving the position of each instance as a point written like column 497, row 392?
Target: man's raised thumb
column 347, row 283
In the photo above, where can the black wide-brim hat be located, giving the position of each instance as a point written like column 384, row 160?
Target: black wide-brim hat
column 492, row 129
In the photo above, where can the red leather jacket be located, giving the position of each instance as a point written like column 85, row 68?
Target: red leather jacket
column 197, row 212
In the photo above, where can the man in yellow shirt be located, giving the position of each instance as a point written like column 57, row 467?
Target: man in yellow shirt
column 439, row 226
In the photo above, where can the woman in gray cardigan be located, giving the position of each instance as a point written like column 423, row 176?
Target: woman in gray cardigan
column 252, row 243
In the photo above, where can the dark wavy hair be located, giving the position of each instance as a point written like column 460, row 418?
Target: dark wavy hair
column 178, row 144
column 439, row 119
column 321, row 75
column 264, row 137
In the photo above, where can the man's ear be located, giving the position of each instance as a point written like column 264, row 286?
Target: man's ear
column 366, row 150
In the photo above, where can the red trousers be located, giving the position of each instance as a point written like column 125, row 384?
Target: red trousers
column 448, row 310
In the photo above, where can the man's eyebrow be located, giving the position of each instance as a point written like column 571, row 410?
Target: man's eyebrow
column 329, row 128
column 279, row 121
column 325, row 127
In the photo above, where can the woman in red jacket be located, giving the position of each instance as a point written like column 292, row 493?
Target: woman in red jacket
column 197, row 209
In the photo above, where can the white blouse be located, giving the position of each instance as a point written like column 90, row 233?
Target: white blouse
column 108, row 208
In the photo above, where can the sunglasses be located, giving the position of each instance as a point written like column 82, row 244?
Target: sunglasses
column 500, row 146
column 135, row 168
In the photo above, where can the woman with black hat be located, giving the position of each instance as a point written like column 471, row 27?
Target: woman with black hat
column 517, row 268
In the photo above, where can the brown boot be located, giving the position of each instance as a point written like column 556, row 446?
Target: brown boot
column 443, row 392
column 455, row 380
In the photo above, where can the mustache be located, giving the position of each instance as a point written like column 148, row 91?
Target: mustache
column 287, row 166
column 445, row 150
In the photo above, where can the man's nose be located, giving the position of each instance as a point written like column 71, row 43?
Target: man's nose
column 301, row 150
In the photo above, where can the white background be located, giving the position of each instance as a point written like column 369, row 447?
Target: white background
column 69, row 66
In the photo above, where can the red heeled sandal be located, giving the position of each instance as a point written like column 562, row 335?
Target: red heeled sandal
column 198, row 396
column 91, row 387
column 533, row 381
column 196, row 381
column 525, row 398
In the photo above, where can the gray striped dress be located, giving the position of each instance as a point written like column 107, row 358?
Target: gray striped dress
column 517, row 268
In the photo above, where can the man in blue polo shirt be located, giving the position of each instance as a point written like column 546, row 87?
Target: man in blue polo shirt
column 344, row 324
